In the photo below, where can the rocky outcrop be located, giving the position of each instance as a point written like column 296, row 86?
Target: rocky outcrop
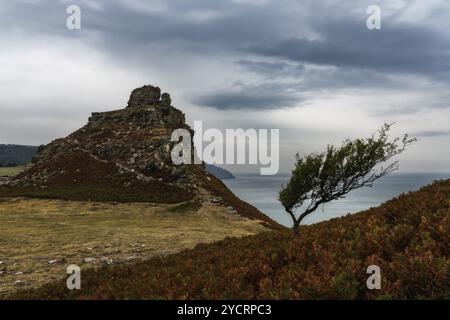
column 148, row 96
column 166, row 100
column 130, row 148
column 219, row 172
column 4, row 180
column 137, row 138
column 123, row 156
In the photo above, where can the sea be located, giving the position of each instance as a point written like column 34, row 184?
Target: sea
column 261, row 192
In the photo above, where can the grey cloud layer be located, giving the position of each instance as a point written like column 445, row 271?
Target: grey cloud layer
column 235, row 56
column 293, row 33
column 250, row 97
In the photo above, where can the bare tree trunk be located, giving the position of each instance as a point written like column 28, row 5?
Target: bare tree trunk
column 296, row 224
column 296, row 228
column 297, row 221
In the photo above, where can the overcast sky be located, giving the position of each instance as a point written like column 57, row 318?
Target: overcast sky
column 310, row 68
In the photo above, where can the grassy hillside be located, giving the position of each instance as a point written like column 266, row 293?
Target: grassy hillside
column 10, row 171
column 408, row 237
column 89, row 179
column 40, row 238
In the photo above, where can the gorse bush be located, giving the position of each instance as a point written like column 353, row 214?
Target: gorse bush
column 407, row 237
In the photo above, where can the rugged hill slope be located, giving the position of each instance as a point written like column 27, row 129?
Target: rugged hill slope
column 407, row 237
column 219, row 172
column 123, row 156
column 12, row 155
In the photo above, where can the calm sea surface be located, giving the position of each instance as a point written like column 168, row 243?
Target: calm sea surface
column 261, row 192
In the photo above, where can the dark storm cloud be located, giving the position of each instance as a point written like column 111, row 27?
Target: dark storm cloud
column 430, row 134
column 250, row 97
column 312, row 78
column 346, row 44
column 213, row 24
column 251, row 55
column 296, row 34
column 262, row 30
column 286, row 84
column 279, row 68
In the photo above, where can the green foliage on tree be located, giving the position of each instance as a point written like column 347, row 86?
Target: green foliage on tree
column 319, row 178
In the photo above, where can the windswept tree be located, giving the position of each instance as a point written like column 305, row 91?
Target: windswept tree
column 319, row 178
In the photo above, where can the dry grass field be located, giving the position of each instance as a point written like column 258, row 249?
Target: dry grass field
column 40, row 238
column 10, row 171
column 407, row 237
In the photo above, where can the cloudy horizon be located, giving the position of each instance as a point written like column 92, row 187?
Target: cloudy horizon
column 310, row 68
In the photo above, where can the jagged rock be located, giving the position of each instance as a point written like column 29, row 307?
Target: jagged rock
column 4, row 180
column 146, row 95
column 166, row 100
column 19, row 283
column 107, row 261
column 126, row 151
column 122, row 156
column 231, row 210
column 178, row 172
column 216, row 200
column 57, row 261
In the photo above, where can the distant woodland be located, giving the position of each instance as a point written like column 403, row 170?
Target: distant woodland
column 14, row 155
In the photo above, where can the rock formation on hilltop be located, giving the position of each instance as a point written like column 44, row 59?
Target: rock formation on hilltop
column 123, row 156
column 148, row 96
